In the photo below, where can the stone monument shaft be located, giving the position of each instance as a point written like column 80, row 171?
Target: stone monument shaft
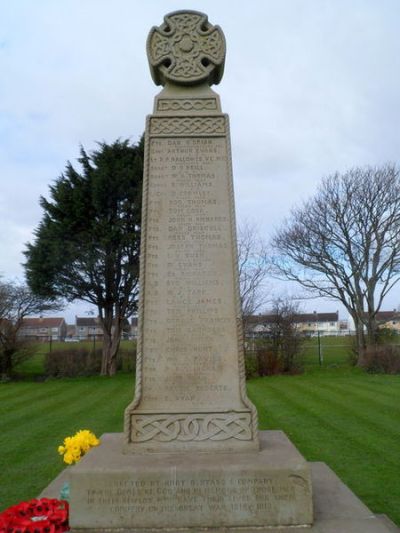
column 190, row 383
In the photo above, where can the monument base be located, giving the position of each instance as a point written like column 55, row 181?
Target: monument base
column 336, row 508
column 271, row 487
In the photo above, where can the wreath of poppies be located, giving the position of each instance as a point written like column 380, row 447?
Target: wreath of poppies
column 36, row 516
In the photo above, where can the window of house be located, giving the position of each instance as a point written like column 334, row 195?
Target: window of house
column 331, row 323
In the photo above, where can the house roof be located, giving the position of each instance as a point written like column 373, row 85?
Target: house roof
column 87, row 321
column 384, row 316
column 42, row 322
column 299, row 318
column 318, row 317
column 92, row 322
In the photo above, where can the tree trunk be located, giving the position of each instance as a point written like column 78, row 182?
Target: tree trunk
column 372, row 331
column 361, row 344
column 106, row 322
column 109, row 354
column 360, row 337
column 6, row 364
column 111, row 342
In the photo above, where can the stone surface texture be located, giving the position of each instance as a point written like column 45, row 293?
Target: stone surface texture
column 270, row 487
column 190, row 382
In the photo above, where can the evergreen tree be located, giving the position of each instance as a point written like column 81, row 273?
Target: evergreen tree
column 87, row 244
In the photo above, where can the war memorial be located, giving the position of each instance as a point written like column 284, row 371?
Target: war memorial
column 191, row 457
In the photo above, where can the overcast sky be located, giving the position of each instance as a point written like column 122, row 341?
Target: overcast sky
column 311, row 87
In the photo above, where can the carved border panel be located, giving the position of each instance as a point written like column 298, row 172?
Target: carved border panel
column 184, row 126
column 191, row 427
column 187, row 104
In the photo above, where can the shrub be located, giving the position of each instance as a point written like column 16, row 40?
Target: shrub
column 383, row 359
column 73, row 362
column 279, row 350
column 78, row 360
column 270, row 357
column 282, row 358
column 17, row 353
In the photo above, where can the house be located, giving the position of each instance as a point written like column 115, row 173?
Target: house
column 322, row 323
column 385, row 319
column 88, row 328
column 307, row 323
column 43, row 329
column 389, row 320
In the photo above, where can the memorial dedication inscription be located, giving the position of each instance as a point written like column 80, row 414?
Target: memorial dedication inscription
column 190, row 392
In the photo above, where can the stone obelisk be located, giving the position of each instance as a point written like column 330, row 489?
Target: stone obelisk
column 190, row 381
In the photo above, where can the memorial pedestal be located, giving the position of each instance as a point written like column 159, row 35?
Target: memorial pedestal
column 336, row 508
column 169, row 491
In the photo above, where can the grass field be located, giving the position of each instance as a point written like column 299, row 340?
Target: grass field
column 35, row 418
column 333, row 413
column 347, row 419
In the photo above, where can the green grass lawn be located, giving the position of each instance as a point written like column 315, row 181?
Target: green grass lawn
column 334, row 413
column 335, row 351
column 35, row 418
column 347, row 419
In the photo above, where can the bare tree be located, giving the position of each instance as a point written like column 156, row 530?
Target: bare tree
column 344, row 243
column 285, row 338
column 17, row 302
column 253, row 269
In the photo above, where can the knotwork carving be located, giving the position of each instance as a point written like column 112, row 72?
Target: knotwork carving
column 186, row 49
column 188, row 126
column 193, row 427
column 189, row 104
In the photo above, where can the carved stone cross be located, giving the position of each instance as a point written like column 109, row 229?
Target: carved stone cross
column 186, row 50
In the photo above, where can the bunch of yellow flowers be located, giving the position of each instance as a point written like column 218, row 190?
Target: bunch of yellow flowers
column 74, row 448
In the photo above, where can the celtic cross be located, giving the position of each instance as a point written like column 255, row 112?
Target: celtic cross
column 186, row 50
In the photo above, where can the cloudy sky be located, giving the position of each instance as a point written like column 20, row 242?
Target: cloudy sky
column 311, row 87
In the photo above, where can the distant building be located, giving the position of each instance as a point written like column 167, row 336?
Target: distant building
column 385, row 319
column 307, row 323
column 71, row 331
column 324, row 323
column 88, row 328
column 43, row 329
column 389, row 320
column 134, row 328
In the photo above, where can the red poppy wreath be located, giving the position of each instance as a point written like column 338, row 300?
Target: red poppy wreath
column 36, row 516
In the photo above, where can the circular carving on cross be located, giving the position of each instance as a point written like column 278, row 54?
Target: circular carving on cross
column 186, row 50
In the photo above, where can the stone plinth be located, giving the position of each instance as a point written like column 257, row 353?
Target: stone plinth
column 336, row 509
column 266, row 488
